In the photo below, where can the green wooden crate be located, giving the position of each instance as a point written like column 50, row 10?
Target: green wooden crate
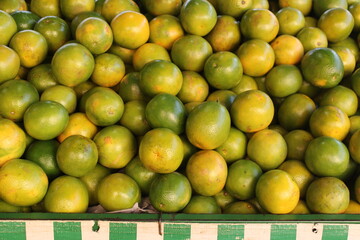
column 45, row 226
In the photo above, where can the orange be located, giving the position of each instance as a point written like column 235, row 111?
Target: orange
column 330, row 69
column 234, row 8
column 355, row 12
column 189, row 150
column 77, row 155
column 191, row 105
column 166, row 111
column 25, row 19
column 224, row 97
column 353, row 146
column 295, row 111
column 260, row 4
column 278, row 128
column 68, row 56
column 108, row 71
column 223, row 198
column 303, row 5
column 124, row 53
column 134, row 117
column 326, row 157
column 147, row 53
column 161, row 7
column 130, row 23
column 208, row 125
column 161, row 150
column 355, row 81
column 104, row 107
column 312, row 37
column 257, row 57
column 197, row 17
column 194, row 87
column 160, row 76
column 259, row 24
column 44, row 8
column 341, row 97
column 287, row 49
column 190, row 52
column 327, row 195
column 116, row 146
column 246, row 83
column 8, row 27
column 252, row 111
column 225, row 35
column 12, row 141
column 78, row 124
column 223, row 70
column 92, row 180
column 95, row 34
column 165, row 30
column 329, row 121
column 66, row 194
column 347, row 58
column 15, row 97
column 353, row 208
column 31, row 46
column 118, row 191
column 11, row 6
column 43, row 153
column 354, row 124
column 283, row 80
column 202, row 204
column 170, row 192
column 9, row 63
column 350, row 43
column 81, row 17
column 129, row 88
column 301, row 208
column 64, row 95
column 240, row 207
column 291, row 20
column 71, row 8
column 55, row 30
column 41, row 77
column 277, row 192
column 297, row 141
column 23, row 182
column 339, row 19
column 301, row 174
column 207, row 172
column 242, row 177
column 110, row 8
column 310, row 21
column 309, row 90
column 357, row 189
column 320, row 6
column 234, row 147
column 9, row 208
column 143, row 176
column 45, row 120
column 267, row 148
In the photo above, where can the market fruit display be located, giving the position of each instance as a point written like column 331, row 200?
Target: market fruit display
column 193, row 106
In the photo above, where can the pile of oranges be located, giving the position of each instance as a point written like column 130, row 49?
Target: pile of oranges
column 200, row 106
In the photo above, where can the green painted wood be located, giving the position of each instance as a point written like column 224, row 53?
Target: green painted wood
column 227, row 232
column 67, row 230
column 177, row 231
column 12, row 231
column 335, row 232
column 119, row 231
column 283, row 232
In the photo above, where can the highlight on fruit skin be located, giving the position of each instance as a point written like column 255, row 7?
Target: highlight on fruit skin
column 196, row 106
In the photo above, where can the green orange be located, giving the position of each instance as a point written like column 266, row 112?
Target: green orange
column 9, row 63
column 202, row 204
column 8, row 27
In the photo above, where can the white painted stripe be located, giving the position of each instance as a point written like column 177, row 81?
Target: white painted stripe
column 308, row 231
column 354, row 232
column 201, row 231
column 88, row 233
column 36, row 230
column 149, row 230
column 257, row 231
